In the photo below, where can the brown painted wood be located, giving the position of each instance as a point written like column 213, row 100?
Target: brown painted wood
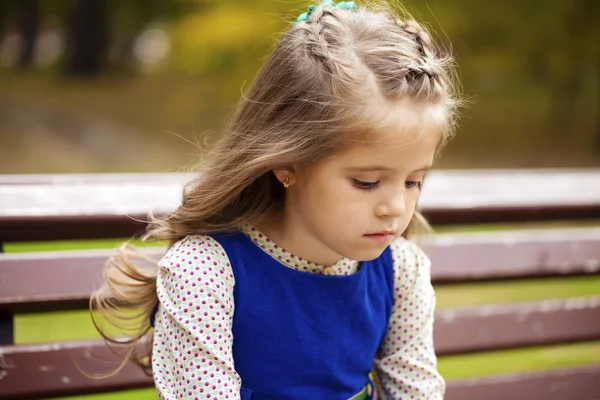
column 50, row 370
column 85, row 179
column 53, row 369
column 101, row 226
column 24, row 277
column 456, row 330
column 53, row 281
column 513, row 254
column 24, row 229
column 33, row 209
column 568, row 384
column 502, row 326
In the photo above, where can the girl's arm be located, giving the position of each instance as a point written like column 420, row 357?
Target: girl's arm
column 406, row 364
column 192, row 351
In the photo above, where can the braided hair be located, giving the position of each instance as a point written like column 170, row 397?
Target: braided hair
column 399, row 54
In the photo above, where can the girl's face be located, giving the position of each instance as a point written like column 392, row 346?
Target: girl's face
column 355, row 203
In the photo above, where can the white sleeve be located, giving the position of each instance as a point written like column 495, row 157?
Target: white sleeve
column 406, row 365
column 192, row 350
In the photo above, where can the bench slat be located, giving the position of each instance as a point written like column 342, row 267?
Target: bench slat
column 569, row 384
column 87, row 179
column 106, row 226
column 513, row 254
column 24, row 277
column 53, row 368
column 80, row 207
column 48, row 228
column 503, row 326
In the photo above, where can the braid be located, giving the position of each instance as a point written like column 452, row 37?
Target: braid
column 429, row 67
column 318, row 47
column 354, row 49
column 416, row 32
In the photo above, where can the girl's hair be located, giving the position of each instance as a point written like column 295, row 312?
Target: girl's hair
column 322, row 88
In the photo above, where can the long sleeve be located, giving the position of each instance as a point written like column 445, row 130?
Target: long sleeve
column 406, row 365
column 192, row 350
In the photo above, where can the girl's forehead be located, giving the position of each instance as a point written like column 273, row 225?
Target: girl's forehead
column 410, row 131
column 392, row 152
column 404, row 138
column 401, row 125
column 395, row 148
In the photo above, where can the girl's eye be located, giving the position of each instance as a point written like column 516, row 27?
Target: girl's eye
column 412, row 184
column 364, row 185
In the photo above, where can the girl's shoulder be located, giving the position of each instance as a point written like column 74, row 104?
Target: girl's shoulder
column 195, row 250
column 195, row 267
column 410, row 262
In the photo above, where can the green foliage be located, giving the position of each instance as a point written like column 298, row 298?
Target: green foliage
column 219, row 40
column 133, row 15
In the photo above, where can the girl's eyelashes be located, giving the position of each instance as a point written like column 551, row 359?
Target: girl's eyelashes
column 364, row 185
column 414, row 184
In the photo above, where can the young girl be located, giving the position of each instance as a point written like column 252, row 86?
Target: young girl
column 289, row 273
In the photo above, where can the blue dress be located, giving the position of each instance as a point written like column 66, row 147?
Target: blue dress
column 298, row 335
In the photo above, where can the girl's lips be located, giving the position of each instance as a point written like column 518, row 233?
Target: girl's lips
column 381, row 237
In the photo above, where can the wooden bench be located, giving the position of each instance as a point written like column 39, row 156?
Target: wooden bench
column 44, row 208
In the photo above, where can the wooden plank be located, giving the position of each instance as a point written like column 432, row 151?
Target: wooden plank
column 569, row 384
column 81, row 204
column 86, row 179
column 53, row 368
column 502, row 326
column 24, row 277
column 24, row 229
column 456, row 330
column 513, row 254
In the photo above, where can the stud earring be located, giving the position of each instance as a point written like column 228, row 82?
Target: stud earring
column 286, row 182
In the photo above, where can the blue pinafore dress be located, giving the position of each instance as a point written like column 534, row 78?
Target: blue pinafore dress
column 299, row 335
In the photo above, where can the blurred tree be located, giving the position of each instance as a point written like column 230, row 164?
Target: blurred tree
column 93, row 25
column 87, row 38
column 27, row 13
column 577, row 49
column 598, row 88
column 23, row 17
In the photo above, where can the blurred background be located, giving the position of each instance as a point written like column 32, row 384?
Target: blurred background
column 112, row 86
column 133, row 86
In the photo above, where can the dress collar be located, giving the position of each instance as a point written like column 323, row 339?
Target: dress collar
column 345, row 266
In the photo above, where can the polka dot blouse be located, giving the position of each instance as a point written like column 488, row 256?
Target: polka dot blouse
column 192, row 353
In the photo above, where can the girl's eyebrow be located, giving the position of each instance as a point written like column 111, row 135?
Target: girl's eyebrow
column 423, row 169
column 370, row 168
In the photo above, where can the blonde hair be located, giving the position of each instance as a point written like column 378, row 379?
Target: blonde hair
column 314, row 96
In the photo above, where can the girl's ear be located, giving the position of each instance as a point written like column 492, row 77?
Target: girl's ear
column 287, row 176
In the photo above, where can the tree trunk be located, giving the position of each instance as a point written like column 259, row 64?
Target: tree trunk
column 568, row 81
column 28, row 24
column 598, row 92
column 87, row 38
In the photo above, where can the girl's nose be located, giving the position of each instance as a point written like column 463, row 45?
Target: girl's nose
column 392, row 207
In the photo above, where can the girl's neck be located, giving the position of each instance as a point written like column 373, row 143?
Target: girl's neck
column 289, row 234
